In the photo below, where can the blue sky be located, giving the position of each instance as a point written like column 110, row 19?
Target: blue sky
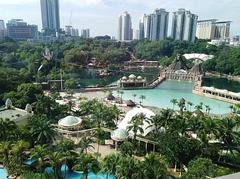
column 101, row 15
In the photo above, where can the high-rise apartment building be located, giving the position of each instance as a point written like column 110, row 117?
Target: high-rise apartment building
column 213, row 30
column 2, row 29
column 141, row 29
column 206, row 29
column 125, row 32
column 85, row 33
column 159, row 24
column 222, row 30
column 155, row 25
column 147, row 26
column 17, row 29
column 50, row 16
column 184, row 25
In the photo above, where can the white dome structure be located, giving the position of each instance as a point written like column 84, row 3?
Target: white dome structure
column 69, row 122
column 136, row 111
column 124, row 78
column 132, row 77
column 8, row 104
column 119, row 134
column 139, row 78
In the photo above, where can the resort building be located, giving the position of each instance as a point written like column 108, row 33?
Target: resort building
column 132, row 82
column 206, row 29
column 223, row 95
column 178, row 70
column 19, row 116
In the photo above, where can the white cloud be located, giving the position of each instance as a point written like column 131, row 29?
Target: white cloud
column 83, row 3
column 16, row 2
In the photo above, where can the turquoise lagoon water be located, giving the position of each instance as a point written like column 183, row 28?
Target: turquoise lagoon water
column 169, row 89
column 3, row 173
column 77, row 175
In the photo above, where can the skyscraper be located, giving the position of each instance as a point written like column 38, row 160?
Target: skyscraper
column 2, row 29
column 50, row 15
column 159, row 24
column 147, row 26
column 184, row 25
column 155, row 25
column 125, row 32
column 141, row 29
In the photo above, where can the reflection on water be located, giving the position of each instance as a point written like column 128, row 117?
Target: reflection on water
column 162, row 95
column 221, row 83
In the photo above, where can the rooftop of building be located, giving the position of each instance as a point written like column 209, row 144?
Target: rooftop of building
column 207, row 20
column 15, row 114
column 12, row 114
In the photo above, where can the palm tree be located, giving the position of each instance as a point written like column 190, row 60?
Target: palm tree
column 154, row 166
column 85, row 144
column 127, row 148
column 231, row 108
column 190, row 104
column 136, row 125
column 181, row 105
column 142, row 97
column 174, row 102
column 39, row 153
column 155, row 122
column 86, row 163
column 7, row 129
column 66, row 148
column 55, row 160
column 228, row 133
column 5, row 148
column 134, row 97
column 128, row 167
column 198, row 107
column 110, row 163
column 208, row 109
column 42, row 130
column 17, row 152
column 121, row 93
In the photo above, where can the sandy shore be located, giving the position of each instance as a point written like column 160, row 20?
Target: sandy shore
column 100, row 95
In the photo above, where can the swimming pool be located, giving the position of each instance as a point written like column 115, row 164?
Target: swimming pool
column 169, row 89
column 3, row 173
column 77, row 175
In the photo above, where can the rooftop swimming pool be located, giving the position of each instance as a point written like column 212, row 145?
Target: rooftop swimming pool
column 169, row 89
column 3, row 173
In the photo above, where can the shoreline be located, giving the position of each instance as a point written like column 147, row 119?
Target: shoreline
column 101, row 96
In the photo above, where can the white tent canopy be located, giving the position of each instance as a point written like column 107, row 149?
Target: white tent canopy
column 136, row 111
column 199, row 56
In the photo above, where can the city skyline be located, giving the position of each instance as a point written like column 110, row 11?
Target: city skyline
column 94, row 14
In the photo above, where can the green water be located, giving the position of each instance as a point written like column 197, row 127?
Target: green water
column 162, row 95
column 221, row 83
